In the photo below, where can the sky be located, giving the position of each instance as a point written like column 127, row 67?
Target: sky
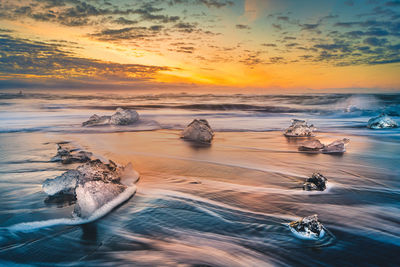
column 243, row 45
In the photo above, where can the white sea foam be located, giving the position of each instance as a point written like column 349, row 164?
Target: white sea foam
column 359, row 102
column 102, row 211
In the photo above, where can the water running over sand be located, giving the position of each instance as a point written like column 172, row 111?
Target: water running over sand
column 227, row 204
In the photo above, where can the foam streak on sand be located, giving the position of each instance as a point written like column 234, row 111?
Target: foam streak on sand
column 102, row 211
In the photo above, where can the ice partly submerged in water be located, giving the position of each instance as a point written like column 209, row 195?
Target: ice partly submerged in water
column 94, row 170
column 97, row 214
column 120, row 117
column 95, row 198
column 383, row 121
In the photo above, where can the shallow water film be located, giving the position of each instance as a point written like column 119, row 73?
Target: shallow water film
column 224, row 204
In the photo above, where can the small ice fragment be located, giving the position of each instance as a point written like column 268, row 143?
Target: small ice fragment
column 316, row 182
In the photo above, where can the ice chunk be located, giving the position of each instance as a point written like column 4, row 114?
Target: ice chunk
column 95, row 170
column 337, row 146
column 199, row 131
column 92, row 195
column 307, row 228
column 299, row 128
column 66, row 154
column 124, row 117
column 94, row 184
column 120, row 117
column 312, row 145
column 63, row 184
column 96, row 120
column 382, row 122
column 316, row 182
column 76, row 220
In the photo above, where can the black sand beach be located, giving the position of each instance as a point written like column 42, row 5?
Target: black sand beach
column 224, row 204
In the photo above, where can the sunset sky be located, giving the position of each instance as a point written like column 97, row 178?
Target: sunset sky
column 244, row 44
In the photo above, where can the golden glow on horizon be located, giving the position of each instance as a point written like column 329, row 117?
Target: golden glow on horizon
column 206, row 66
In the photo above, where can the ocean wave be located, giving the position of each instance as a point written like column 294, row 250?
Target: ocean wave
column 342, row 108
column 226, row 113
column 291, row 99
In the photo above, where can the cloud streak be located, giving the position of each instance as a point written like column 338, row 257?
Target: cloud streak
column 25, row 58
column 199, row 34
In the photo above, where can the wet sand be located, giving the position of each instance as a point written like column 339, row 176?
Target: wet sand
column 221, row 205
